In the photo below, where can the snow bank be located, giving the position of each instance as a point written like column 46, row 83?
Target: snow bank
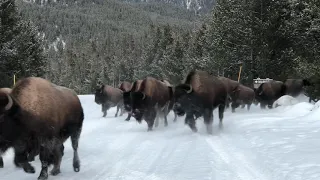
column 316, row 106
column 285, row 100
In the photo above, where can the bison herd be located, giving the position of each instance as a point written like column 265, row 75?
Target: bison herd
column 197, row 96
column 37, row 116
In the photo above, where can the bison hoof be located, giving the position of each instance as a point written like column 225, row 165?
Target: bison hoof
column 76, row 166
column 55, row 172
column 76, row 169
column 1, row 164
column 43, row 176
column 127, row 119
column 29, row 169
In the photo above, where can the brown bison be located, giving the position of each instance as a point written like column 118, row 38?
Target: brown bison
column 269, row 92
column 231, row 87
column 108, row 97
column 127, row 97
column 244, row 96
column 198, row 96
column 171, row 101
column 45, row 115
column 294, row 87
column 150, row 101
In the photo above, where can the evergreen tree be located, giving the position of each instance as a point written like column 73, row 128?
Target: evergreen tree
column 21, row 50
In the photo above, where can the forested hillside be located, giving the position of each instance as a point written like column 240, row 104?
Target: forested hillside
column 91, row 40
column 109, row 40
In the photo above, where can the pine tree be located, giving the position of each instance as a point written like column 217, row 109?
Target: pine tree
column 21, row 50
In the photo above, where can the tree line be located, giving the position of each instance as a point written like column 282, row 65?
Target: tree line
column 275, row 39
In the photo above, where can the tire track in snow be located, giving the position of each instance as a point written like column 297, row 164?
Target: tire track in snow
column 236, row 161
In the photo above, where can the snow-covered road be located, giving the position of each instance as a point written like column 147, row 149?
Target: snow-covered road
column 277, row 144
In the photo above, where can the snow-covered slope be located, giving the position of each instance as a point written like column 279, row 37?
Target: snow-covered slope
column 276, row 144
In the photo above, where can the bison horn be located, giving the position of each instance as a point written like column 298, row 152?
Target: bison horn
column 144, row 96
column 10, row 103
column 190, row 90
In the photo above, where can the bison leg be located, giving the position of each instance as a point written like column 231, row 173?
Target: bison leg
column 118, row 107
column 45, row 153
column 221, row 112
column 262, row 105
column 56, row 160
column 243, row 105
column 175, row 117
column 208, row 120
column 104, row 110
column 248, row 106
column 75, row 142
column 129, row 116
column 21, row 157
column 122, row 110
column 1, row 162
column 191, row 122
column 165, row 120
column 156, row 124
column 151, row 116
column 234, row 105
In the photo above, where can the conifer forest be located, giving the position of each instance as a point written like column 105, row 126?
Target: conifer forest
column 78, row 43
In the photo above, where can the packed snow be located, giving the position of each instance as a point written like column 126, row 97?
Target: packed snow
column 270, row 144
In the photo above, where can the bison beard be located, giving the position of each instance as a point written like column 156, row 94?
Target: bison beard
column 59, row 115
column 198, row 96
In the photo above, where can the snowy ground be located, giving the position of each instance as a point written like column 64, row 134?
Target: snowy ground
column 277, row 144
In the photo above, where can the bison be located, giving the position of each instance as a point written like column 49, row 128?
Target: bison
column 108, row 97
column 150, row 101
column 294, row 87
column 127, row 97
column 198, row 96
column 231, row 87
column 244, row 96
column 171, row 101
column 269, row 92
column 45, row 115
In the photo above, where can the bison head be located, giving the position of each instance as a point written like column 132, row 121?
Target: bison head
column 99, row 96
column 181, row 98
column 8, row 127
column 138, row 105
column 127, row 101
